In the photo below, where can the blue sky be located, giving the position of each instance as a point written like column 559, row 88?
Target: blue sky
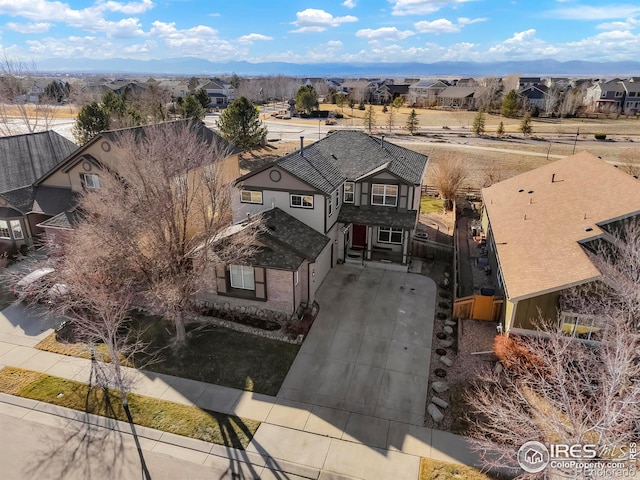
column 322, row 31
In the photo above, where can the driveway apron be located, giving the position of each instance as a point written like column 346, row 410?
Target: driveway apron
column 369, row 349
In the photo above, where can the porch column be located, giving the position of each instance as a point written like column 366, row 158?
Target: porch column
column 405, row 246
column 369, row 235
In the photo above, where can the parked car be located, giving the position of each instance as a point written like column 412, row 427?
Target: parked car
column 39, row 281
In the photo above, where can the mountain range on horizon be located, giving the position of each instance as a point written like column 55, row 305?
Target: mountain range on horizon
column 199, row 66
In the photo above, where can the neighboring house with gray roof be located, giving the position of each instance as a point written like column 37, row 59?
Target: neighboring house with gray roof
column 425, row 92
column 360, row 192
column 82, row 169
column 23, row 204
column 457, row 97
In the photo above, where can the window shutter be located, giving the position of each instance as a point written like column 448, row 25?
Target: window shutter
column 260, row 283
column 221, row 279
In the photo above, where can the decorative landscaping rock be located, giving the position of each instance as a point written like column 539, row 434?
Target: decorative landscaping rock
column 451, row 323
column 436, row 414
column 441, row 351
column 441, row 335
column 439, row 402
column 440, row 387
column 440, row 372
column 446, row 343
column 448, row 329
column 444, row 304
column 441, row 315
column 447, row 361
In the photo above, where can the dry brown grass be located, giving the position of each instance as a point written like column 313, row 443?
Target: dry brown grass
column 437, row 470
column 61, row 111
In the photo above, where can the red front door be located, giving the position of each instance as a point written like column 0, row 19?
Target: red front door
column 359, row 236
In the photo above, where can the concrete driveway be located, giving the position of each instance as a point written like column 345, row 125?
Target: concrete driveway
column 369, row 349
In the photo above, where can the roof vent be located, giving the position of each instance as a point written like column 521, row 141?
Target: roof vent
column 381, row 141
column 521, row 190
column 588, row 229
column 301, row 145
column 553, row 178
column 334, row 157
column 530, row 191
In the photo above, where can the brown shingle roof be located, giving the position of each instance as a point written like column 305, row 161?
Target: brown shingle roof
column 537, row 224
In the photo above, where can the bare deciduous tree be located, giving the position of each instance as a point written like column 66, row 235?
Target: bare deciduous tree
column 159, row 212
column 559, row 389
column 630, row 161
column 448, row 176
column 22, row 110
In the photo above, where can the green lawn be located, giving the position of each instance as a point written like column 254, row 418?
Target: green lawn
column 150, row 412
column 431, row 204
column 212, row 354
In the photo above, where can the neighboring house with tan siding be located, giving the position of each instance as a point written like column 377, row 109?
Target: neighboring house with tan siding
column 81, row 170
column 23, row 203
column 538, row 225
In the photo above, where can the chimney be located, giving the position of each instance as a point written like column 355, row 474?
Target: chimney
column 301, row 145
column 382, row 141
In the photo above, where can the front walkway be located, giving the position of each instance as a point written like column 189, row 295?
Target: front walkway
column 304, row 439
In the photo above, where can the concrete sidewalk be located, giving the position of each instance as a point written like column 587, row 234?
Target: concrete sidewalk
column 312, row 441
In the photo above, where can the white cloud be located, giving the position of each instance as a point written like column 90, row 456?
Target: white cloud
column 253, row 37
column 443, row 25
column 601, row 12
column 384, row 33
column 28, row 27
column 523, row 45
column 315, row 20
column 629, row 24
column 349, row 3
column 90, row 18
column 422, row 7
column 334, row 44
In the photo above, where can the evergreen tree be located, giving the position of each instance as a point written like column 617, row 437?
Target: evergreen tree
column 500, row 130
column 509, row 106
column 478, row 124
column 91, row 120
column 192, row 108
column 525, row 125
column 240, row 124
column 412, row 122
column 203, row 98
column 306, row 98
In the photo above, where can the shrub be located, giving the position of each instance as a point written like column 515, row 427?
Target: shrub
column 600, row 136
column 514, row 353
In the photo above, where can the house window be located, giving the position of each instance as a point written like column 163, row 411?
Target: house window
column 386, row 195
column 242, row 277
column 349, row 192
column 603, row 94
column 632, row 94
column 389, row 235
column 330, row 206
column 579, row 326
column 4, row 229
column 16, row 229
column 90, row 180
column 301, row 201
column 618, row 94
column 337, row 194
column 297, row 277
column 250, row 196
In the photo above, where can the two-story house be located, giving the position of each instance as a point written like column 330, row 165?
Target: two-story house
column 81, row 170
column 349, row 197
column 607, row 97
column 24, row 204
column 425, row 92
column 221, row 94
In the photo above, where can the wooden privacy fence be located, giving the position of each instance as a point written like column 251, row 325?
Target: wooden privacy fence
column 478, row 307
